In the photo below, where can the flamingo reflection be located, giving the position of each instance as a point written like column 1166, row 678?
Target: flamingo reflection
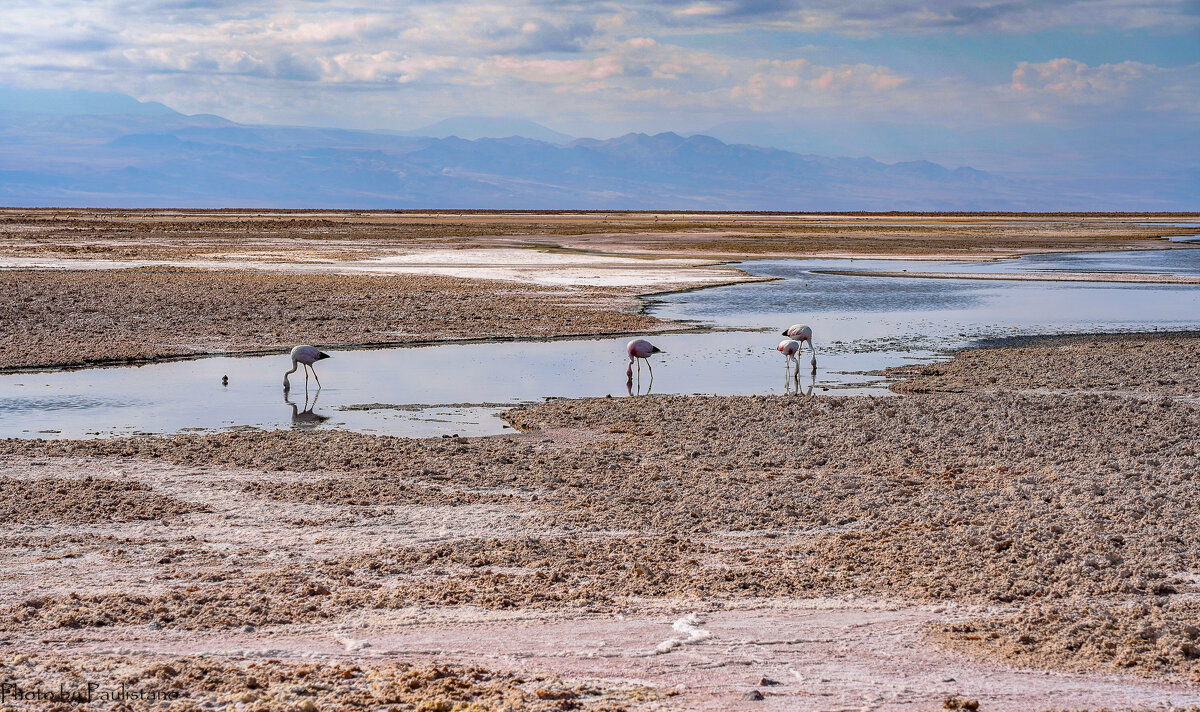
column 305, row 418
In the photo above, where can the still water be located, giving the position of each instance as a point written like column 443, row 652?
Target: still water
column 860, row 324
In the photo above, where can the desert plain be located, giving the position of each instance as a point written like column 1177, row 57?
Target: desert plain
column 1011, row 529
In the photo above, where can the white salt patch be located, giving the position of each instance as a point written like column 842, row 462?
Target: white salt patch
column 351, row 644
column 689, row 625
column 523, row 258
column 515, row 265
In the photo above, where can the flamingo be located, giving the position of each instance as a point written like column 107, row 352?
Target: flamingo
column 802, row 333
column 639, row 349
column 789, row 348
column 308, row 356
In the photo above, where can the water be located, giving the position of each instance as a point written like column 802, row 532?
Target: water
column 1182, row 238
column 855, row 312
column 860, row 323
column 413, row 391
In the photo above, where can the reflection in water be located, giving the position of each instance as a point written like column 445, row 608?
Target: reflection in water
column 792, row 385
column 305, row 418
column 629, row 385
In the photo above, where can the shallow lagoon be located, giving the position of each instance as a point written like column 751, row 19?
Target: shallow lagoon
column 860, row 323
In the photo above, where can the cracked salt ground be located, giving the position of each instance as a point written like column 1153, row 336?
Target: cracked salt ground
column 862, row 324
column 824, row 654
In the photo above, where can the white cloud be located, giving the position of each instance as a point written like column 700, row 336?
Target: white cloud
column 1076, row 82
column 271, row 60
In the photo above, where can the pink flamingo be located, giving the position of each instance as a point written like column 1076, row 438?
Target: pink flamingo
column 308, row 356
column 802, row 333
column 789, row 348
column 639, row 349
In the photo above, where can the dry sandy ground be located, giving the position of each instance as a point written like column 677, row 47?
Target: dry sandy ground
column 1141, row 365
column 84, row 287
column 1029, row 545
column 312, row 235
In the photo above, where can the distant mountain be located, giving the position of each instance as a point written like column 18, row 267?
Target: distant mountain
column 154, row 157
column 1142, row 166
column 475, row 127
column 60, row 102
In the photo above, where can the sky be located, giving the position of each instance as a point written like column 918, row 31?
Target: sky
column 966, row 79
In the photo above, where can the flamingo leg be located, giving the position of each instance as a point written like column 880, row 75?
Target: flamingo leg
column 314, row 370
column 651, row 369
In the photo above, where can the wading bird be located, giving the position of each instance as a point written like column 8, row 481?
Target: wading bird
column 639, row 349
column 308, row 356
column 789, row 348
column 802, row 333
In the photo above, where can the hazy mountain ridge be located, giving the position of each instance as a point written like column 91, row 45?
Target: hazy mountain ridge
column 475, row 127
column 152, row 157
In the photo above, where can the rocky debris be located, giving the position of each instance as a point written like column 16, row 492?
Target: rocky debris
column 1152, row 636
column 196, row 683
column 1147, row 364
column 1043, row 503
column 85, row 500
column 370, row 490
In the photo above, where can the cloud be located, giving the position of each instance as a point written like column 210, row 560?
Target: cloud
column 1061, row 88
column 559, row 71
column 778, row 86
column 540, row 36
column 636, row 62
column 889, row 16
column 1076, row 82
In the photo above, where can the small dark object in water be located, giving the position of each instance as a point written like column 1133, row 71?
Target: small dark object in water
column 224, row 380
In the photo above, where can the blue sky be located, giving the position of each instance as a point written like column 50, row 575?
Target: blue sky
column 928, row 75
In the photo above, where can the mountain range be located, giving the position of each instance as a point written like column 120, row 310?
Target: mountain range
column 84, row 149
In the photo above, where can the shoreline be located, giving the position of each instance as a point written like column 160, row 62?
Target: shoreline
column 659, row 326
column 640, row 300
column 1105, row 277
column 867, row 544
